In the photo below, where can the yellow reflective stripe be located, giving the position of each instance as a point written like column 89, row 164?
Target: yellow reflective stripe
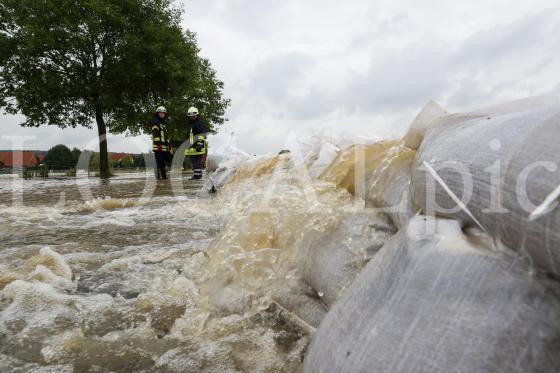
column 161, row 137
column 191, row 150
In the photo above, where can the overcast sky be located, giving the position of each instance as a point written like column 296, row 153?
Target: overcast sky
column 358, row 66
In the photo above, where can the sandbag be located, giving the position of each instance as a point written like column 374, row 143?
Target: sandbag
column 502, row 162
column 417, row 130
column 222, row 164
column 388, row 187
column 330, row 260
column 300, row 299
column 352, row 166
column 433, row 302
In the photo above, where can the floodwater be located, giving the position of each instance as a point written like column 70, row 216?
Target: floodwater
column 133, row 275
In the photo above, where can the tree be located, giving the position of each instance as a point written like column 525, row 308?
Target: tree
column 76, row 155
column 67, row 63
column 59, row 157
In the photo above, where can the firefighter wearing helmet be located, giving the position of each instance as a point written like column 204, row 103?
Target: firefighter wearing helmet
column 197, row 147
column 160, row 143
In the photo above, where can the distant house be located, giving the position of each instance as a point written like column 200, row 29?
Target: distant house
column 18, row 160
column 117, row 158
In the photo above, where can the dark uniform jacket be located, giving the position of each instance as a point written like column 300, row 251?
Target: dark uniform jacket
column 160, row 135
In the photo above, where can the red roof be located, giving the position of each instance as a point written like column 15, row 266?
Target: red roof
column 18, row 159
column 118, row 156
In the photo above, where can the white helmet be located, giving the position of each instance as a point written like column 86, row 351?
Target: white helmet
column 192, row 111
column 161, row 109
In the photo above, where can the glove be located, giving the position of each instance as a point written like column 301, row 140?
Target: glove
column 160, row 147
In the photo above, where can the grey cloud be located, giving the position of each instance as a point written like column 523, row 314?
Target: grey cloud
column 510, row 40
column 256, row 19
column 403, row 79
column 399, row 79
column 278, row 74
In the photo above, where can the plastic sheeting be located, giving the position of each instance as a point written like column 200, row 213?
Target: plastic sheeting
column 330, row 260
column 417, row 130
column 501, row 162
column 433, row 302
column 325, row 157
column 389, row 185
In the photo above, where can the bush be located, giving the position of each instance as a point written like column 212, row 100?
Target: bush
column 59, row 157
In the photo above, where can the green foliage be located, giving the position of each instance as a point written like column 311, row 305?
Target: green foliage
column 127, row 162
column 94, row 160
column 66, row 62
column 138, row 161
column 59, row 157
column 76, row 155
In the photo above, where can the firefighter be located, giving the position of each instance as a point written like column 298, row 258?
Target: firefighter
column 197, row 143
column 160, row 141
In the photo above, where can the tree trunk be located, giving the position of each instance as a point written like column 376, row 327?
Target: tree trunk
column 103, row 154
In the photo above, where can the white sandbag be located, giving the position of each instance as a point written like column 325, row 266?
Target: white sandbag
column 501, row 162
column 415, row 134
column 220, row 176
column 330, row 260
column 222, row 164
column 434, row 303
column 300, row 299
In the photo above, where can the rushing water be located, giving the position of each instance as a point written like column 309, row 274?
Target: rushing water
column 118, row 275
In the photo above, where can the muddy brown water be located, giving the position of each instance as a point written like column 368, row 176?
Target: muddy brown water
column 105, row 275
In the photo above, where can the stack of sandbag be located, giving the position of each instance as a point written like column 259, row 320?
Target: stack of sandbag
column 432, row 301
column 330, row 259
column 501, row 162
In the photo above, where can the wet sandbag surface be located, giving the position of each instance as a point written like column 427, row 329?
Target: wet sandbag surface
column 502, row 162
column 435, row 303
column 331, row 259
